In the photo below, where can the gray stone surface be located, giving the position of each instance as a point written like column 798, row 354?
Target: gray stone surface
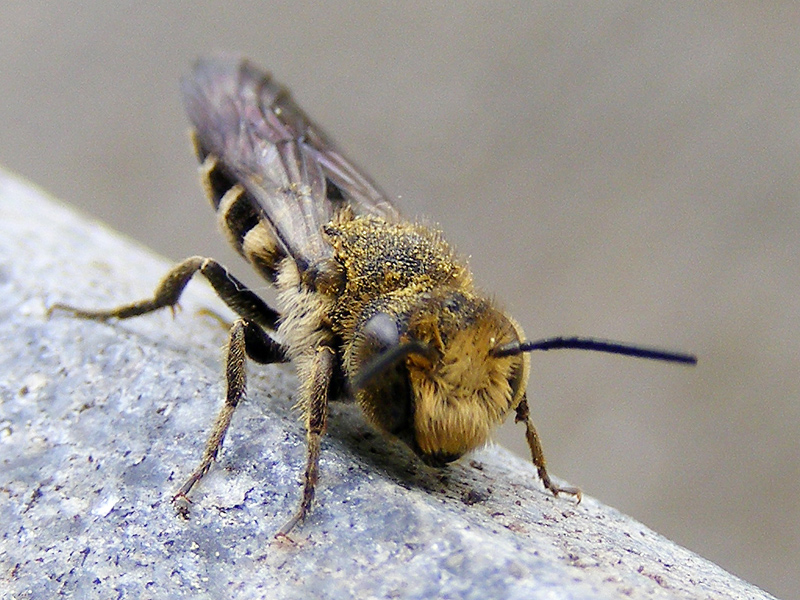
column 99, row 423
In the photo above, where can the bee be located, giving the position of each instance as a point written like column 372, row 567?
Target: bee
column 370, row 306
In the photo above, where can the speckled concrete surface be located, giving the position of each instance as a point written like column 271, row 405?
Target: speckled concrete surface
column 100, row 422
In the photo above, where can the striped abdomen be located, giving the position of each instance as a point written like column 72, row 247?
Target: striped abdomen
column 238, row 216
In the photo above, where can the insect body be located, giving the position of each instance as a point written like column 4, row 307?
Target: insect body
column 370, row 305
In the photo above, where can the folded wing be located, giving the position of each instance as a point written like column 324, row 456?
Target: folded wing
column 293, row 174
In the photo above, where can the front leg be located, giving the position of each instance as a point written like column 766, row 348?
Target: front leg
column 234, row 293
column 314, row 399
column 537, row 454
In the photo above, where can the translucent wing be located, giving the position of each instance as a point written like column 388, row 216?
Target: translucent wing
column 294, row 175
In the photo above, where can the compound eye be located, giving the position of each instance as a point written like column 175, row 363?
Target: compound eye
column 377, row 350
column 381, row 331
column 515, row 378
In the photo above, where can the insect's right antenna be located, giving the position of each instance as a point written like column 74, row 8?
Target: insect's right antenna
column 598, row 345
column 386, row 360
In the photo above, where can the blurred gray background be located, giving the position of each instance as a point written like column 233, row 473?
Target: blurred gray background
column 624, row 170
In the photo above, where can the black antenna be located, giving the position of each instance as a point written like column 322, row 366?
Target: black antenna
column 386, row 360
column 585, row 343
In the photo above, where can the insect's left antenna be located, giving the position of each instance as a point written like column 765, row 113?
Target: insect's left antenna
column 598, row 345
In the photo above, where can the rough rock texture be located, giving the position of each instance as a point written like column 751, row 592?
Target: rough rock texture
column 99, row 424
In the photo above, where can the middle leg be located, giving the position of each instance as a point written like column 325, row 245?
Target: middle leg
column 246, row 340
